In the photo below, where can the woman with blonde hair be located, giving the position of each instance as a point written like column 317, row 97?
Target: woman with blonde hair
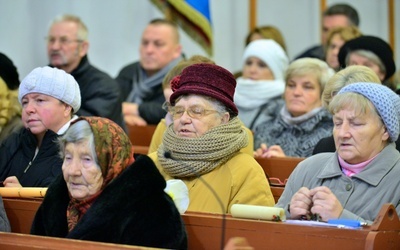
column 301, row 121
column 335, row 40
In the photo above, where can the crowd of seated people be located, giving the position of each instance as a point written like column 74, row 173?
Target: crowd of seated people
column 212, row 126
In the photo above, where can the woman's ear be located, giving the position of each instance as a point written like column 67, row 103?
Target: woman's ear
column 68, row 109
column 385, row 135
column 225, row 117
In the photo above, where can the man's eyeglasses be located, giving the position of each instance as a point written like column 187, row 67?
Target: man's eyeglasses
column 62, row 40
column 195, row 111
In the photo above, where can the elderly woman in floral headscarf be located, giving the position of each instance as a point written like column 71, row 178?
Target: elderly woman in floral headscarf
column 202, row 145
column 102, row 197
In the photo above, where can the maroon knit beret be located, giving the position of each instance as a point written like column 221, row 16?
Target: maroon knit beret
column 208, row 80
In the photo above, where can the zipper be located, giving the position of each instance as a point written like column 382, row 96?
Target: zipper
column 29, row 165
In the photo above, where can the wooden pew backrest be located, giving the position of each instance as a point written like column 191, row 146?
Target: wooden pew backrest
column 141, row 135
column 20, row 213
column 279, row 167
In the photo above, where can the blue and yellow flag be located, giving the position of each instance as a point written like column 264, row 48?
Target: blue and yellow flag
column 193, row 16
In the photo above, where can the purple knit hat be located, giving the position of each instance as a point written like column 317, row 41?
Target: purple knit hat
column 208, row 80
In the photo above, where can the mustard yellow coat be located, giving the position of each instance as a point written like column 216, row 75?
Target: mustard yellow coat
column 162, row 127
column 241, row 180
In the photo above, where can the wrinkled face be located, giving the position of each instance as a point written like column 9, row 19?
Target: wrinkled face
column 187, row 126
column 159, row 46
column 42, row 112
column 356, row 59
column 333, row 50
column 330, row 22
column 358, row 138
column 302, row 94
column 256, row 69
column 80, row 170
column 64, row 49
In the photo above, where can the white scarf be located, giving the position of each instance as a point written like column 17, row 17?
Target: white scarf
column 250, row 94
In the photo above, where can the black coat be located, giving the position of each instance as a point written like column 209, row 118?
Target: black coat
column 17, row 152
column 133, row 209
column 151, row 107
column 100, row 93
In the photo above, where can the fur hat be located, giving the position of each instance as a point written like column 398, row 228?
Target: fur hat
column 385, row 100
column 9, row 72
column 370, row 43
column 52, row 82
column 271, row 53
column 208, row 80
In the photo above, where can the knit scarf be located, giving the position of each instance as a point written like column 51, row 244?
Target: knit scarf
column 250, row 94
column 202, row 154
column 145, row 86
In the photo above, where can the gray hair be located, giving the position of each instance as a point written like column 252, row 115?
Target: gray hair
column 82, row 33
column 370, row 56
column 78, row 133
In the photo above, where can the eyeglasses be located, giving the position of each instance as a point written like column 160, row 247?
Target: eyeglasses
column 62, row 40
column 195, row 111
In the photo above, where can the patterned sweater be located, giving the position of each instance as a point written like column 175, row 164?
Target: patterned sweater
column 297, row 140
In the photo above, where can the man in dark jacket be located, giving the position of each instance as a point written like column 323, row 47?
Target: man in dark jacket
column 338, row 15
column 67, row 47
column 140, row 82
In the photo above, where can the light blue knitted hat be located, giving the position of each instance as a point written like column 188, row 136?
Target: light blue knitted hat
column 385, row 100
column 52, row 82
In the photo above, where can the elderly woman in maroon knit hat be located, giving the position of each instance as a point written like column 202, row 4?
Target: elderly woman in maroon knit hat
column 202, row 145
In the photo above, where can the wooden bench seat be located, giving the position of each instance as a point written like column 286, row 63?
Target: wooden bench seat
column 205, row 231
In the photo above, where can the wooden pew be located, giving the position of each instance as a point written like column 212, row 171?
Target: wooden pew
column 277, row 192
column 20, row 213
column 13, row 241
column 279, row 167
column 205, row 231
column 141, row 135
column 140, row 150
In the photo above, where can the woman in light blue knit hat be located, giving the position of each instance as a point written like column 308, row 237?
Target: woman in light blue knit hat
column 363, row 174
column 50, row 98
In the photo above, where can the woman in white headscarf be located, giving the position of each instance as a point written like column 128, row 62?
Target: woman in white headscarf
column 259, row 91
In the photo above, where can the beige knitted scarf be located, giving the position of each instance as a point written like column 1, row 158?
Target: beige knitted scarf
column 192, row 157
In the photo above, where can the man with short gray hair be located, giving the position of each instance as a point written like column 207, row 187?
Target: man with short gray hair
column 67, row 48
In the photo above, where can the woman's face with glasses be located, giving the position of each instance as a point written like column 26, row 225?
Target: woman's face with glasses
column 194, row 115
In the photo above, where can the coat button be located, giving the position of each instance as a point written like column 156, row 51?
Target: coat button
column 348, row 187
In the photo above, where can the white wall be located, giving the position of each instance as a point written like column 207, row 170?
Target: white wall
column 115, row 27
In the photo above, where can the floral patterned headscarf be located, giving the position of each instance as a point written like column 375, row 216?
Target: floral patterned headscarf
column 113, row 148
column 114, row 154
